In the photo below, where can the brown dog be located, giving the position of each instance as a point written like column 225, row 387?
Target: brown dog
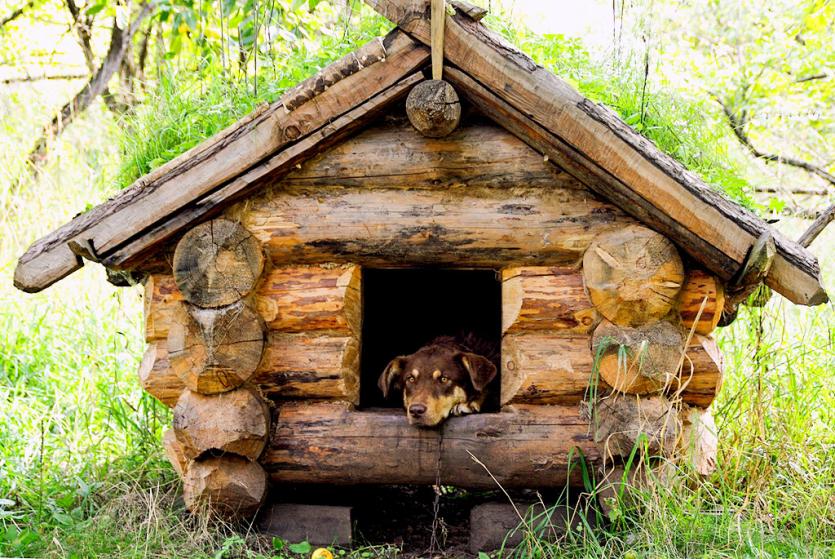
column 440, row 379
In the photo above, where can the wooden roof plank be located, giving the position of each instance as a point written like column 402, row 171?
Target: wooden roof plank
column 339, row 88
column 274, row 167
column 672, row 193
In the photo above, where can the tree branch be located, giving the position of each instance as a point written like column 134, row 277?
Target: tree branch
column 119, row 42
column 826, row 217
column 738, row 123
column 16, row 13
column 41, row 77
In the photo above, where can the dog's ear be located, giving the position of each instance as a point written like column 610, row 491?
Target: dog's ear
column 481, row 370
column 391, row 375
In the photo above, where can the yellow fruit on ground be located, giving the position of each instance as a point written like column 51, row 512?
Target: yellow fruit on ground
column 322, row 553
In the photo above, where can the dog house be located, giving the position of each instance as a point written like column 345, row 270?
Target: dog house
column 286, row 259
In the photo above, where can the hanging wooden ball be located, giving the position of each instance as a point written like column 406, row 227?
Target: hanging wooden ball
column 433, row 108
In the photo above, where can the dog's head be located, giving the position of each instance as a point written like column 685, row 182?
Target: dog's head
column 435, row 379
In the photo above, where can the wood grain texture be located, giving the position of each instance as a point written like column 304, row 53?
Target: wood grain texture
column 620, row 421
column 632, row 275
column 175, row 452
column 160, row 300
column 156, row 376
column 310, row 365
column 329, row 443
column 546, row 298
column 237, row 421
column 638, row 360
column 217, row 263
column 303, row 118
column 433, row 108
column 215, row 350
column 393, row 155
column 464, row 227
column 701, row 287
column 312, row 298
column 544, row 368
column 228, row 486
column 699, row 439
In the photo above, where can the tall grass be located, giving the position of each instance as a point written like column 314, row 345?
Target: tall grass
column 81, row 472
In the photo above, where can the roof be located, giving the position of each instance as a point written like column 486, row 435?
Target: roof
column 586, row 139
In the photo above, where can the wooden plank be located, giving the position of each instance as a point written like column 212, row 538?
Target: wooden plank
column 481, row 227
column 394, row 155
column 677, row 202
column 330, row 443
column 141, row 247
column 317, row 102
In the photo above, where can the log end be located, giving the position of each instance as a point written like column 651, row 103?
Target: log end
column 228, row 486
column 433, row 108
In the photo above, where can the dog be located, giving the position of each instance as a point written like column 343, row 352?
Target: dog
column 448, row 376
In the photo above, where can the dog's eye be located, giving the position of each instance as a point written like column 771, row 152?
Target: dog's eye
column 411, row 379
column 444, row 379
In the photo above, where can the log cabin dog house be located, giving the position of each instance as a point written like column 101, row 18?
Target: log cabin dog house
column 288, row 258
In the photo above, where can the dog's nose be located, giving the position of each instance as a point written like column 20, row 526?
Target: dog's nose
column 417, row 410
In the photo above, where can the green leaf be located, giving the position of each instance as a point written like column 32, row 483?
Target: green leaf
column 95, row 8
column 301, row 548
column 482, row 555
column 278, row 544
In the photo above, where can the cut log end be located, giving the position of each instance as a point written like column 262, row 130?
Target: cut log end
column 217, row 263
column 228, row 486
column 701, row 292
column 433, row 108
column 632, row 275
column 174, row 452
column 638, row 360
column 622, row 422
column 236, row 422
column 215, row 350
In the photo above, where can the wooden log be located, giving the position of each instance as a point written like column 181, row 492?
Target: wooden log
column 302, row 120
column 307, row 298
column 619, row 422
column 137, row 250
column 156, row 376
column 237, row 421
column 175, row 452
column 546, row 298
column 701, row 373
column 638, row 360
column 468, row 227
column 215, row 350
column 633, row 275
column 394, row 155
column 217, row 263
column 160, row 300
column 699, row 440
column 228, row 486
column 588, row 139
column 546, row 368
column 330, row 443
column 701, row 287
column 310, row 365
column 433, row 108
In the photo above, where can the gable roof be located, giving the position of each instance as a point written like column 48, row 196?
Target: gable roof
column 587, row 140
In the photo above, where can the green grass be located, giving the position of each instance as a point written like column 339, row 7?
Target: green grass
column 81, row 468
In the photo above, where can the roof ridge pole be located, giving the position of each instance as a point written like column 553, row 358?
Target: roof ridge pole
column 437, row 34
